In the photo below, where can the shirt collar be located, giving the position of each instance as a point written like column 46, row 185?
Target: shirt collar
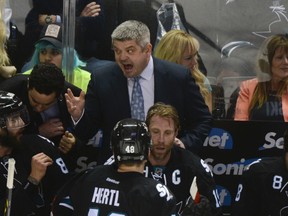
column 148, row 71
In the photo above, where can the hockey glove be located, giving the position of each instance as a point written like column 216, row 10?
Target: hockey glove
column 197, row 209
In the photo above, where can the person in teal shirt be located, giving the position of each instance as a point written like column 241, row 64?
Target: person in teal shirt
column 48, row 49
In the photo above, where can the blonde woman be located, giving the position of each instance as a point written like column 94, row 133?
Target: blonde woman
column 180, row 47
column 6, row 70
column 266, row 97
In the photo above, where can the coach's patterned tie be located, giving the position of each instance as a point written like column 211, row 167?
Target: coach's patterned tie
column 137, row 101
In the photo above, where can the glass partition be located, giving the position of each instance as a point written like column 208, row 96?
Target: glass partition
column 230, row 33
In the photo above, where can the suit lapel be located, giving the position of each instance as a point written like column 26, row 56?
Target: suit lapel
column 120, row 90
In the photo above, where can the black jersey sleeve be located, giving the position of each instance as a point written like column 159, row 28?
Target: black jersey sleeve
column 205, row 181
column 152, row 198
column 246, row 200
column 207, row 187
column 55, row 176
column 62, row 203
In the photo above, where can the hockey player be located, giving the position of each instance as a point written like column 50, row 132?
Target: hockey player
column 118, row 189
column 43, row 94
column 263, row 189
column 39, row 171
column 176, row 167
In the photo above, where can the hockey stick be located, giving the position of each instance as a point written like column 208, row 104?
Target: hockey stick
column 194, row 191
column 10, row 178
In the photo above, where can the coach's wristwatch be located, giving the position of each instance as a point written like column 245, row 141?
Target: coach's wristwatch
column 48, row 19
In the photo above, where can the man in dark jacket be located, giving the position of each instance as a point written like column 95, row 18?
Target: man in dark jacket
column 43, row 94
column 109, row 94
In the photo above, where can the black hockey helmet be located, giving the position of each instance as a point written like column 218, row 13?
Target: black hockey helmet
column 12, row 109
column 130, row 140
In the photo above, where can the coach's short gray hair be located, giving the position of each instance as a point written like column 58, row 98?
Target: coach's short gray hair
column 132, row 30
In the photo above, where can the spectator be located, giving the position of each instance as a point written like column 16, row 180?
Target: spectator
column 111, row 88
column 39, row 170
column 265, row 97
column 127, row 191
column 6, row 70
column 48, row 49
column 90, row 27
column 180, row 47
column 43, row 94
column 263, row 187
column 14, row 39
column 176, row 167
